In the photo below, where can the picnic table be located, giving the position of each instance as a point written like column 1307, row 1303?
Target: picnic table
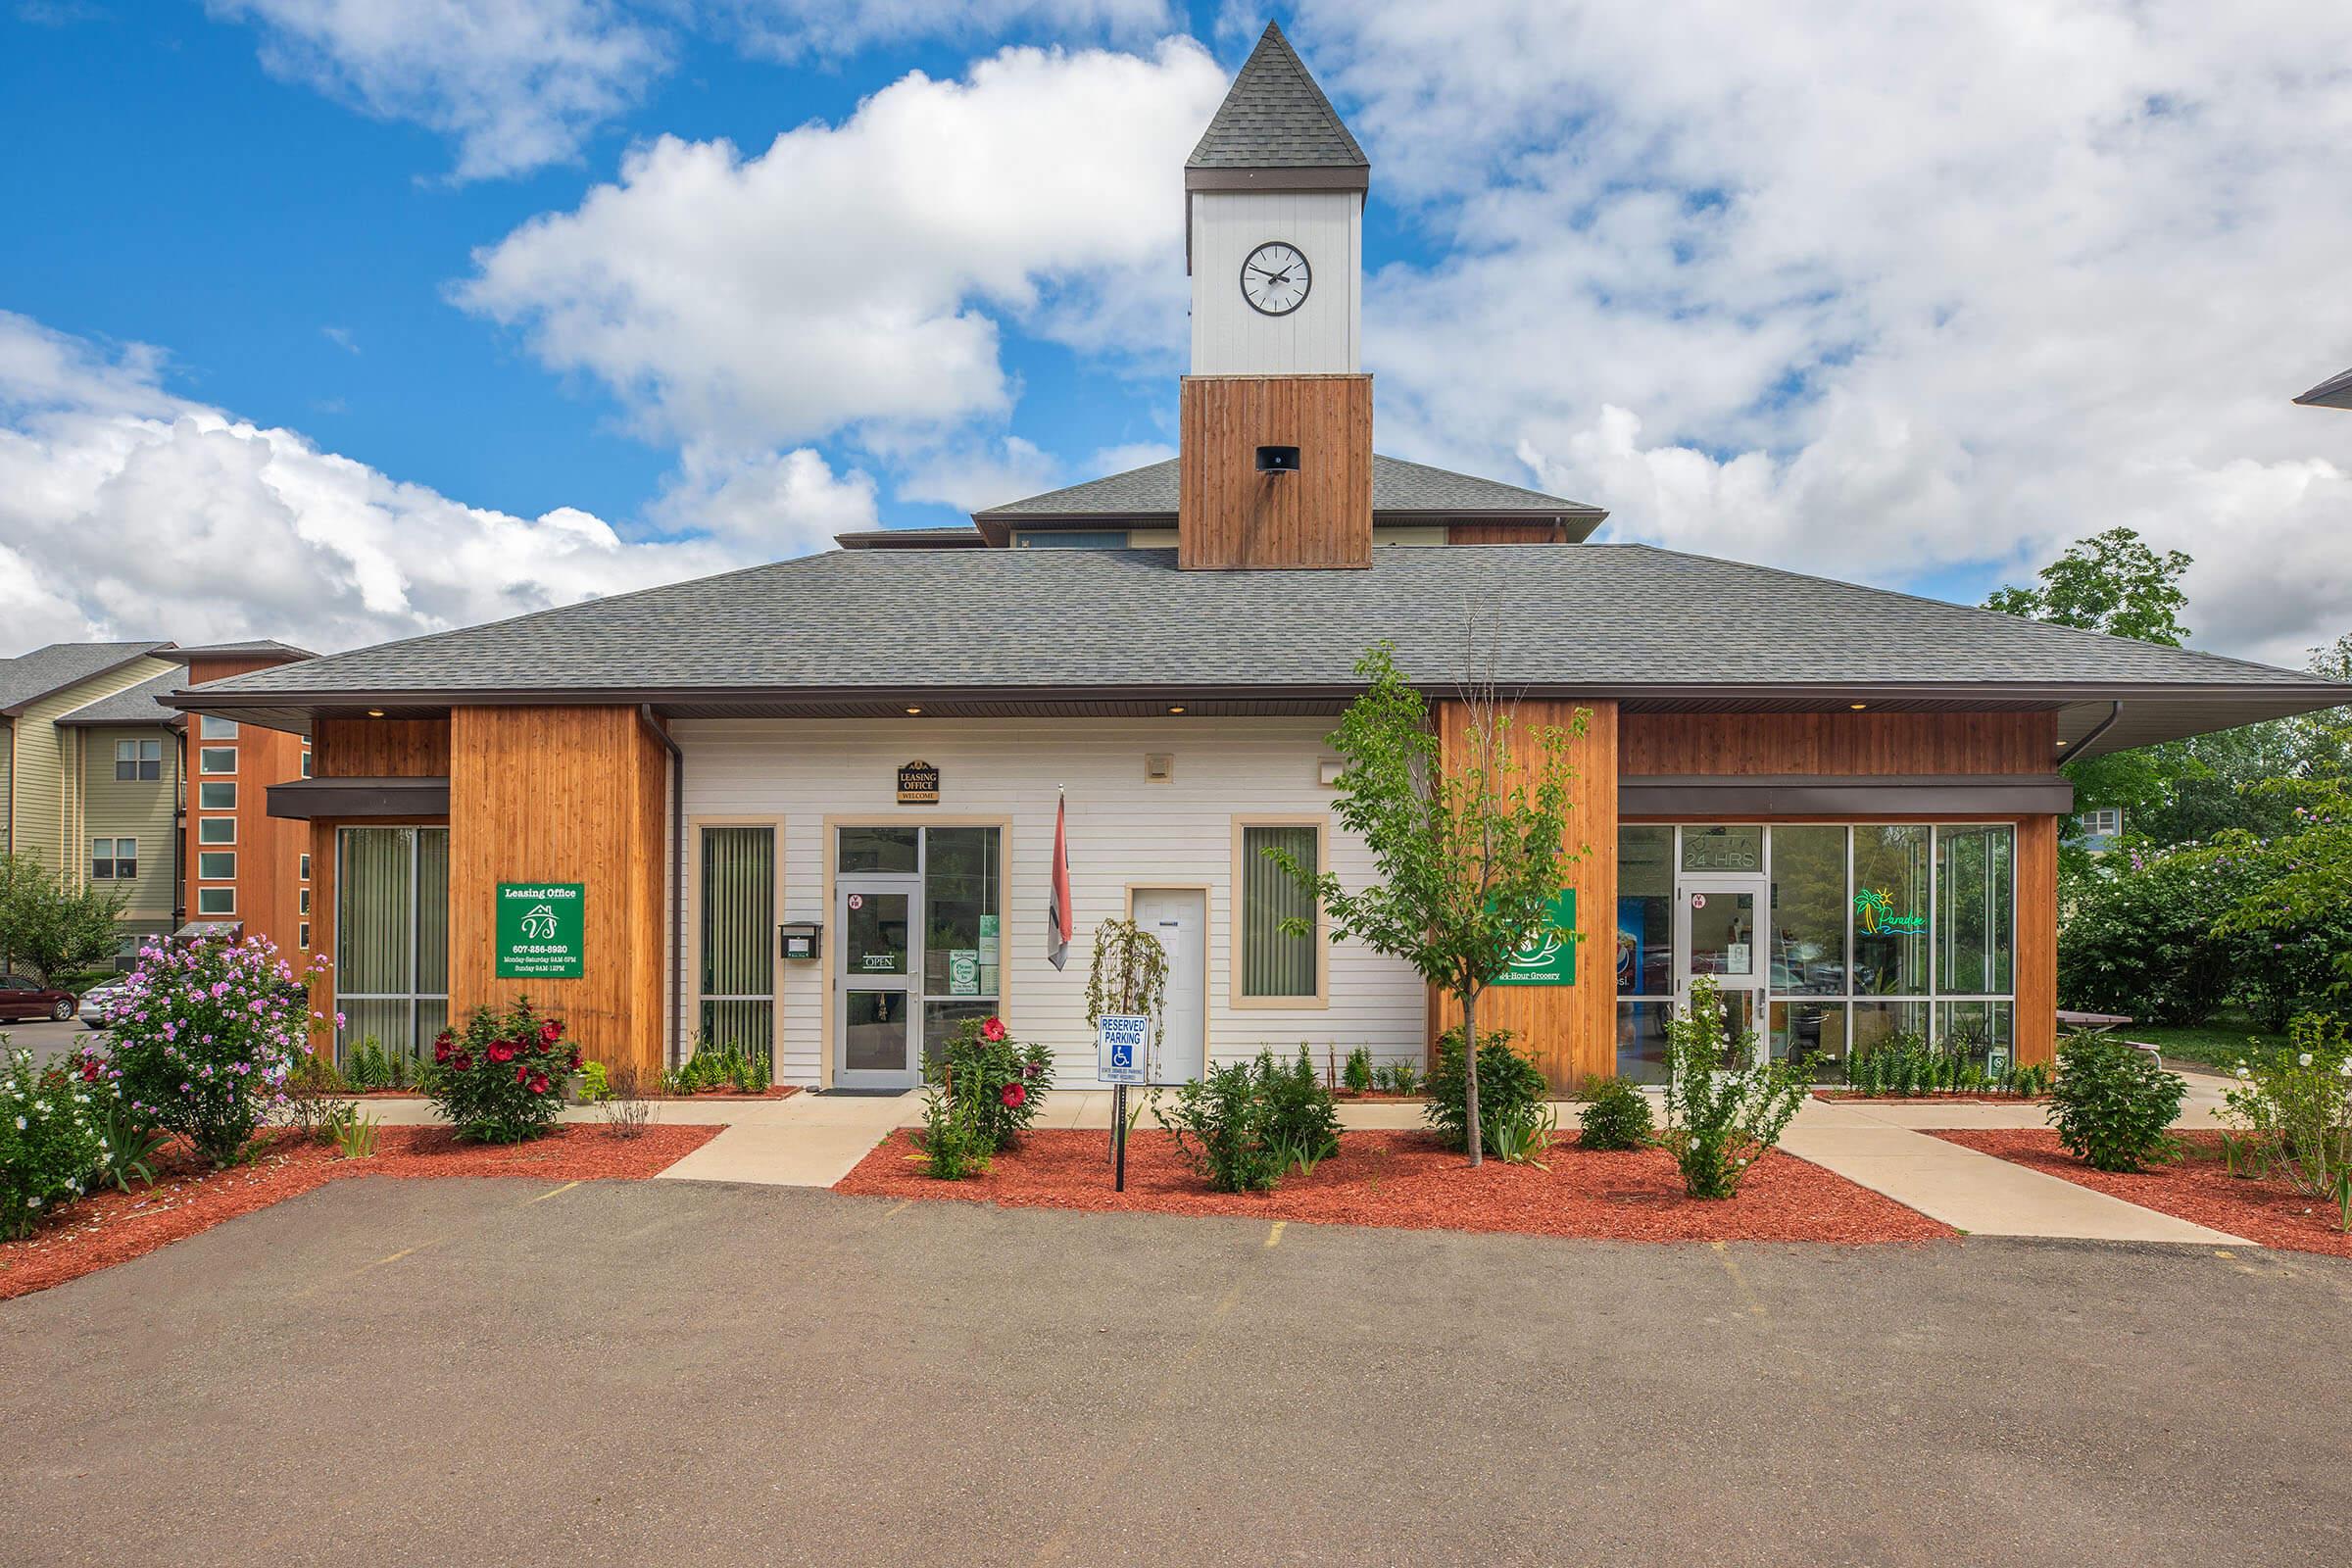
column 2101, row 1021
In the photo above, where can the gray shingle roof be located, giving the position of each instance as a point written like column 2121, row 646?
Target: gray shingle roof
column 134, row 705
column 259, row 647
column 1275, row 117
column 1613, row 618
column 1397, row 486
column 2333, row 393
column 29, row 677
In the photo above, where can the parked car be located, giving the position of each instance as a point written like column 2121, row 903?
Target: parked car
column 98, row 1002
column 21, row 999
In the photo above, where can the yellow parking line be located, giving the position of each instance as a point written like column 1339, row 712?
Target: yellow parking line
column 550, row 1193
column 1274, row 1236
column 1755, row 1303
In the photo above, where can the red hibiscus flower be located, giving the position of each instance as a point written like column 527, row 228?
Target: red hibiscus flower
column 89, row 1071
column 463, row 1062
column 538, row 1083
column 551, row 1031
column 1014, row 1097
column 522, row 1071
column 501, row 1051
column 441, row 1051
column 993, row 1031
column 575, row 1059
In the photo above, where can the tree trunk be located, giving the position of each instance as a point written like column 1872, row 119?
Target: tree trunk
column 1470, row 1127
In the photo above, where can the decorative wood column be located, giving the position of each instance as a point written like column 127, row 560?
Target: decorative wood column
column 1570, row 1031
column 1233, row 516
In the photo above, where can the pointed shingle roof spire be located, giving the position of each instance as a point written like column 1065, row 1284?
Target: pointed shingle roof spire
column 1275, row 117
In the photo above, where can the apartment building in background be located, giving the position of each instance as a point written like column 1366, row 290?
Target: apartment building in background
column 107, row 785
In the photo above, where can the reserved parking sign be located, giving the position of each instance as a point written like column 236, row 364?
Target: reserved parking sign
column 1122, row 1047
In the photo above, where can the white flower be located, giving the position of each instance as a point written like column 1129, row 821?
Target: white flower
column 2304, row 1061
column 20, row 1124
column 33, row 1202
column 2241, row 1071
column 2345, row 1070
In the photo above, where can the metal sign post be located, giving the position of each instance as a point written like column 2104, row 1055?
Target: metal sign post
column 1122, row 1057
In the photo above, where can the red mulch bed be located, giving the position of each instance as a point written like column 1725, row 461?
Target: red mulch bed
column 1409, row 1181
column 2196, row 1187
column 114, row 1227
column 1848, row 1097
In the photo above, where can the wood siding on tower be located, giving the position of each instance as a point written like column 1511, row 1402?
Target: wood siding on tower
column 1744, row 745
column 382, row 748
column 2037, row 974
column 1230, row 516
column 564, row 795
column 1570, row 1031
column 1550, row 531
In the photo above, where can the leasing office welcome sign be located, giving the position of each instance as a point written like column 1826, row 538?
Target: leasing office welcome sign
column 541, row 930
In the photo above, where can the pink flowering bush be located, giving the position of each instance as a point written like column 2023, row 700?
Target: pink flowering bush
column 202, row 1037
column 501, row 1080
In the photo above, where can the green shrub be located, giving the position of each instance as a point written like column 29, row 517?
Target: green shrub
column 595, row 1087
column 501, row 1081
column 1222, row 1127
column 1404, row 1077
column 51, row 1144
column 2113, row 1103
column 1616, row 1116
column 1302, row 1122
column 1723, row 1113
column 1358, row 1075
column 365, row 1068
column 1512, row 1090
column 2293, row 1107
column 2138, row 938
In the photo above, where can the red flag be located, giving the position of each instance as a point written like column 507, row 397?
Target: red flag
column 1057, row 906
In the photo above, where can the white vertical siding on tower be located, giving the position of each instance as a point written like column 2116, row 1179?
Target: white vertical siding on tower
column 1123, row 832
column 1318, row 338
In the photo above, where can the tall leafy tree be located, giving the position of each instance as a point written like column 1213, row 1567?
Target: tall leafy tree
column 1471, row 848
column 52, row 927
column 2111, row 582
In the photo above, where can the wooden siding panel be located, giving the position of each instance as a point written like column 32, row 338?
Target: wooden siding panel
column 2037, row 974
column 382, row 748
column 562, row 795
column 1232, row 517
column 1506, row 533
column 1849, row 744
column 1570, row 1031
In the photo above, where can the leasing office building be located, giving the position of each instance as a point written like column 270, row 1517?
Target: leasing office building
column 810, row 808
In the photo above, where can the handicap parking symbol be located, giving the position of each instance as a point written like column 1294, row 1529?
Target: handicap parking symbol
column 1122, row 1055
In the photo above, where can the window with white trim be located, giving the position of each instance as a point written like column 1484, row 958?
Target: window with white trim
column 216, row 865
column 1271, row 963
column 138, row 761
column 391, row 935
column 114, row 860
column 217, row 901
column 215, row 797
column 211, row 727
column 217, row 759
column 216, row 830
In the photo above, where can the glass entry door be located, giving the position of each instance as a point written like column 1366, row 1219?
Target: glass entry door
column 877, row 981
column 1718, row 921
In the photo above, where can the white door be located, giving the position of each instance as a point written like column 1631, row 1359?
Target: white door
column 1179, row 917
column 877, row 981
column 1718, row 931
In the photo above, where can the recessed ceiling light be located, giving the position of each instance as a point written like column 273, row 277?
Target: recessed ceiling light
column 1857, row 706
column 915, row 710
column 375, row 713
column 1175, row 708
column 2062, row 743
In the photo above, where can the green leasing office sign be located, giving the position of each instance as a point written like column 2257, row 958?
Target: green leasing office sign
column 1546, row 956
column 540, row 932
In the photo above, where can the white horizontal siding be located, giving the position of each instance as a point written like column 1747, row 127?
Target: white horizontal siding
column 1123, row 832
column 1322, row 335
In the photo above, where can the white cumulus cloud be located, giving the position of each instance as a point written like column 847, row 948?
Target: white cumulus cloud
column 860, row 276
column 129, row 512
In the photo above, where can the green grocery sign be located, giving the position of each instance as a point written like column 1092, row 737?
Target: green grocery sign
column 539, row 930
column 1546, row 956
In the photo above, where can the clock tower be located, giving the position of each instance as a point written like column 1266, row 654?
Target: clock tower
column 1276, row 419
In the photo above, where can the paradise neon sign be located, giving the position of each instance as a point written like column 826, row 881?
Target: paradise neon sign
column 1874, row 914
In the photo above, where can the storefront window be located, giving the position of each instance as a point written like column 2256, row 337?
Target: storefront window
column 1975, row 898
column 738, row 934
column 1642, row 1040
column 1738, row 848
column 961, row 899
column 1982, row 1032
column 1889, row 909
column 1809, row 1027
column 1645, row 911
column 1808, row 910
column 1874, row 1022
column 392, row 936
column 879, row 849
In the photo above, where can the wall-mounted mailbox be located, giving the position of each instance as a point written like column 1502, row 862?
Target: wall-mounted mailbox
column 803, row 939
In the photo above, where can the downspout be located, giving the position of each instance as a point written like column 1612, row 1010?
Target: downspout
column 179, row 834
column 2115, row 711
column 677, row 883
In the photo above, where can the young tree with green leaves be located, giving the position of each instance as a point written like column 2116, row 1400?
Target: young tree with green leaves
column 2111, row 582
column 50, row 928
column 1470, row 847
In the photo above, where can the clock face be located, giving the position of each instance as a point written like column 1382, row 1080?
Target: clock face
column 1275, row 278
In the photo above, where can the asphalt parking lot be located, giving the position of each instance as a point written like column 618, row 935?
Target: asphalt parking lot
column 505, row 1372
column 44, row 1038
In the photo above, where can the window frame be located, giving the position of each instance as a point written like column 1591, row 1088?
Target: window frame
column 207, row 756
column 203, row 895
column 1237, row 915
column 113, row 861
column 204, row 795
column 414, row 997
column 206, row 730
column 133, row 753
column 204, row 822
column 216, row 856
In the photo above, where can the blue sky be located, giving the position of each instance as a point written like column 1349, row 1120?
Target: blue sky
column 339, row 321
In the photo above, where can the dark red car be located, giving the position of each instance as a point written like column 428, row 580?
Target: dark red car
column 21, row 999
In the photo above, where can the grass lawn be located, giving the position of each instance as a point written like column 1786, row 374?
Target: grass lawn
column 2216, row 1043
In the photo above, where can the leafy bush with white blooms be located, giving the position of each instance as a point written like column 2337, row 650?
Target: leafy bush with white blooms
column 203, row 1036
column 51, row 1140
